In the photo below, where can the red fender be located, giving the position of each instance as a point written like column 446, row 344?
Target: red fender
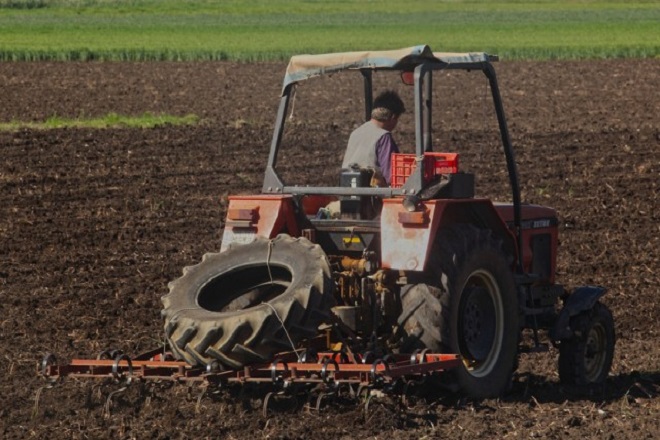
column 407, row 237
column 266, row 216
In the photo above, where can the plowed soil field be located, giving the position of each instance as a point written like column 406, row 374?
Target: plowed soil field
column 94, row 223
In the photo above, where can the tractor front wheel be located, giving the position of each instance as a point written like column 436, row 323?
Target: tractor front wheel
column 586, row 358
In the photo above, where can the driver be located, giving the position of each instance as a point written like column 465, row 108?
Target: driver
column 371, row 145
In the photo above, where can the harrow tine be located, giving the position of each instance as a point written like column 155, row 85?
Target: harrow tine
column 368, row 357
column 273, row 396
column 109, row 353
column 49, row 359
column 324, row 370
column 367, row 401
column 37, row 396
column 108, row 402
column 406, row 393
column 213, row 367
column 278, row 379
column 201, row 395
column 362, row 392
column 115, row 368
column 319, row 401
column 311, row 395
column 309, row 356
column 264, row 411
column 378, row 397
column 374, row 376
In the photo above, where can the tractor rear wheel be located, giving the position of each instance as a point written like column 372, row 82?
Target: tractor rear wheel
column 425, row 310
column 473, row 311
column 246, row 304
column 587, row 357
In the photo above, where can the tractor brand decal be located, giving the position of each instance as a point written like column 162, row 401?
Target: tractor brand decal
column 545, row 223
column 539, row 223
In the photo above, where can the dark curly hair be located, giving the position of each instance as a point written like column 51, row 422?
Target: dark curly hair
column 386, row 105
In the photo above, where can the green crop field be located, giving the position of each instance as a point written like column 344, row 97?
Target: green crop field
column 113, row 120
column 275, row 29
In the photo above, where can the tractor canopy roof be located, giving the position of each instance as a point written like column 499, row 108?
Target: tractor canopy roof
column 302, row 67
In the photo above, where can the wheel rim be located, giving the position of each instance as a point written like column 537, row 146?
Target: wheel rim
column 480, row 323
column 244, row 287
column 594, row 352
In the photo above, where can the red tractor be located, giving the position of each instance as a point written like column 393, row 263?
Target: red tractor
column 419, row 265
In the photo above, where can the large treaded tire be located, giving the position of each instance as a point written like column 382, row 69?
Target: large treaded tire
column 472, row 310
column 586, row 358
column 425, row 312
column 230, row 307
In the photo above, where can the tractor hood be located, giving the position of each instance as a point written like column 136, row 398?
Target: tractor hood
column 302, row 67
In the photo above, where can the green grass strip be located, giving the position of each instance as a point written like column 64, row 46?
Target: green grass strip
column 265, row 30
column 111, row 120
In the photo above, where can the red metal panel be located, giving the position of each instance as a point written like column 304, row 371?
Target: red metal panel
column 258, row 216
column 535, row 220
column 405, row 246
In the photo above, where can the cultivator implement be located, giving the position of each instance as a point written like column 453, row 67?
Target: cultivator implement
column 320, row 375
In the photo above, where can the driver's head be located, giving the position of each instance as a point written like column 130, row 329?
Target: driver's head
column 387, row 106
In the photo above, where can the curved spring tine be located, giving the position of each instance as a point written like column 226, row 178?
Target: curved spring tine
column 278, row 396
column 373, row 373
column 291, row 399
column 277, row 378
column 105, row 354
column 264, row 410
column 343, row 356
column 116, row 352
column 35, row 408
column 308, row 404
column 324, row 368
column 389, row 359
column 422, row 356
column 212, row 367
column 362, row 392
column 368, row 357
column 405, row 397
column 202, row 393
column 115, row 367
column 110, row 353
column 319, row 401
column 309, row 356
column 243, row 396
column 413, row 357
column 49, row 359
column 366, row 407
column 108, row 402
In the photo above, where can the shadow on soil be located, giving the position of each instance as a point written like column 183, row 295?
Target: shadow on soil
column 537, row 389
